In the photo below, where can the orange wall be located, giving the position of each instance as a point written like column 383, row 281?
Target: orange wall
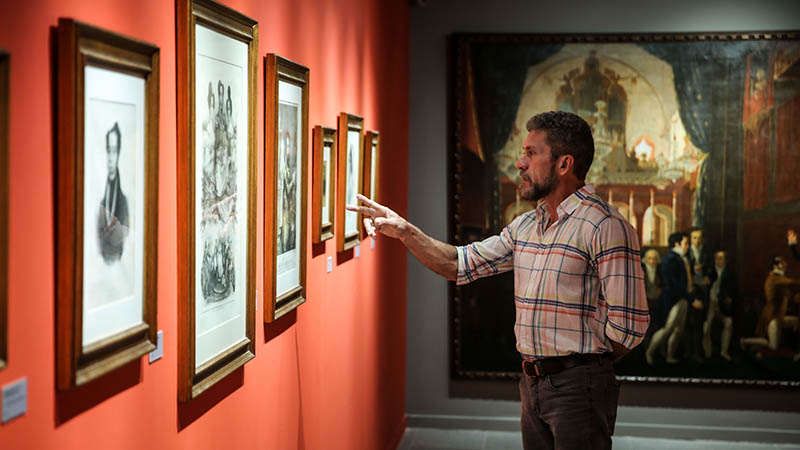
column 331, row 376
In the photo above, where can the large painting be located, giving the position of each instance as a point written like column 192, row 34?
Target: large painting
column 108, row 204
column 216, row 202
column 693, row 133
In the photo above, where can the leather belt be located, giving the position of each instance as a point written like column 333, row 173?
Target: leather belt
column 556, row 364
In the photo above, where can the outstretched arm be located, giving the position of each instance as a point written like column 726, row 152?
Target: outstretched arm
column 438, row 256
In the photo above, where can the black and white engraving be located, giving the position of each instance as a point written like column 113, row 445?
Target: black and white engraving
column 112, row 217
column 287, row 178
column 218, row 200
column 350, row 224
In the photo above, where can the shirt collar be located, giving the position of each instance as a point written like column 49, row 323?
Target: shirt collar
column 569, row 204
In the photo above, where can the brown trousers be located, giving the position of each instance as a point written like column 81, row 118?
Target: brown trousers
column 573, row 409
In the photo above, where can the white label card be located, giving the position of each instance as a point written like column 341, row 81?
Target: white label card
column 15, row 399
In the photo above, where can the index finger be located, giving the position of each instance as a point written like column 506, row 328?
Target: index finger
column 368, row 202
column 361, row 209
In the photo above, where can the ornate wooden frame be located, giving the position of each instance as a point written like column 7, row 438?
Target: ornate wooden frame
column 323, row 137
column 279, row 69
column 192, row 381
column 347, row 122
column 80, row 45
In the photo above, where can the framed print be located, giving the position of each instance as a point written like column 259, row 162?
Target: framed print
column 323, row 199
column 350, row 160
column 217, row 64
column 286, row 191
column 693, row 133
column 371, row 151
column 5, row 174
column 107, row 171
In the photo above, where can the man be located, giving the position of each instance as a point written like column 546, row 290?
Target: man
column 112, row 217
column 722, row 295
column 579, row 290
column 675, row 297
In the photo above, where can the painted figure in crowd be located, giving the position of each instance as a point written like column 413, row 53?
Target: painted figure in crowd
column 652, row 284
column 791, row 239
column 722, row 295
column 674, row 301
column 701, row 265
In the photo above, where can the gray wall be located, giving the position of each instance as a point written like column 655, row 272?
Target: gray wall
column 690, row 412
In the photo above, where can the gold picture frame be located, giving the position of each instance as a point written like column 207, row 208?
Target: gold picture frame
column 350, row 159
column 372, row 142
column 217, row 47
column 324, row 143
column 286, row 191
column 106, row 305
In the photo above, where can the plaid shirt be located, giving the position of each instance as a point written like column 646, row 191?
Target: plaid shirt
column 577, row 284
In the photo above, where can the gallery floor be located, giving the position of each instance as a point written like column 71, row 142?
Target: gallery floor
column 435, row 439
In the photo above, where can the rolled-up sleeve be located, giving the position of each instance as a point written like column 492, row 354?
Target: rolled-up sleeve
column 616, row 253
column 488, row 257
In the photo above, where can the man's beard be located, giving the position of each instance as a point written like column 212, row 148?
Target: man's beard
column 539, row 191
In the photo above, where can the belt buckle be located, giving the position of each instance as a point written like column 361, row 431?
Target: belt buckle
column 536, row 373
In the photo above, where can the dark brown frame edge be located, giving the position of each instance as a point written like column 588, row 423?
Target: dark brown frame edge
column 276, row 69
column 80, row 45
column 323, row 136
column 346, row 123
column 194, row 381
column 5, row 173
column 458, row 46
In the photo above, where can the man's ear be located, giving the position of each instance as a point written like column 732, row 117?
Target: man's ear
column 567, row 161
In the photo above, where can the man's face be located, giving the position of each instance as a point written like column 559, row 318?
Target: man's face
column 651, row 258
column 112, row 151
column 683, row 245
column 781, row 264
column 720, row 259
column 536, row 167
column 697, row 238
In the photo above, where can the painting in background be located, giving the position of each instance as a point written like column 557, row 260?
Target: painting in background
column 691, row 135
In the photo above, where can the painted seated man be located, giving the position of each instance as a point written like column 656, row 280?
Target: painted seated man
column 780, row 309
